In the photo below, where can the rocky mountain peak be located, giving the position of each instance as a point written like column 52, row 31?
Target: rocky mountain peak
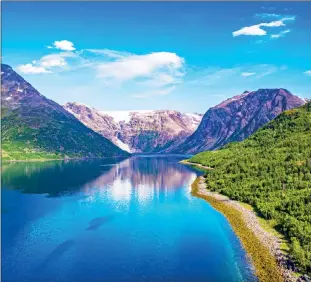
column 238, row 117
column 15, row 90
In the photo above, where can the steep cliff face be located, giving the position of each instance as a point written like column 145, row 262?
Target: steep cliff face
column 35, row 127
column 138, row 131
column 237, row 118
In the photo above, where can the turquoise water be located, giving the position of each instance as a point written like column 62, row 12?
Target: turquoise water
column 113, row 220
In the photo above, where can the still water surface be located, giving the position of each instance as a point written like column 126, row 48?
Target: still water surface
column 113, row 220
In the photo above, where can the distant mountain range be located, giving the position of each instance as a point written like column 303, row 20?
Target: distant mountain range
column 174, row 132
column 138, row 131
column 34, row 127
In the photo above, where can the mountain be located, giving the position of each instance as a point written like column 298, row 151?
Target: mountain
column 34, row 127
column 271, row 170
column 237, row 118
column 138, row 131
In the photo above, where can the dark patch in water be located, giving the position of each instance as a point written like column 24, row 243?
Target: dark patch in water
column 57, row 252
column 95, row 223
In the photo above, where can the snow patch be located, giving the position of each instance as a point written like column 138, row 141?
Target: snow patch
column 123, row 146
column 194, row 116
column 123, row 115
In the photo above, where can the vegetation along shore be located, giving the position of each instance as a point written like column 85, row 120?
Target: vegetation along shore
column 264, row 248
column 271, row 171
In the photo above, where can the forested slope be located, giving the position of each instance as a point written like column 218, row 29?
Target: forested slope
column 272, row 171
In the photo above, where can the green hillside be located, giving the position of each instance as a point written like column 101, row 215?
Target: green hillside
column 271, row 170
column 34, row 127
column 45, row 133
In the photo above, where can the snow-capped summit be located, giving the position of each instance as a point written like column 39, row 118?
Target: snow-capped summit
column 138, row 131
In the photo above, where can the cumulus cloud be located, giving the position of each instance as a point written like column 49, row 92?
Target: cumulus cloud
column 132, row 66
column 257, row 30
column 63, row 45
column 31, row 69
column 47, row 64
column 308, row 72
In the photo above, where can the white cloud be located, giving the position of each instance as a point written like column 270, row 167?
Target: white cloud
column 31, row 69
column 256, row 30
column 56, row 60
column 246, row 74
column 152, row 74
column 280, row 34
column 63, row 45
column 133, row 66
column 53, row 60
column 48, row 63
column 253, row 30
column 307, row 73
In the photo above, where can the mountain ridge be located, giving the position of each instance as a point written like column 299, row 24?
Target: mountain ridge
column 35, row 127
column 237, row 118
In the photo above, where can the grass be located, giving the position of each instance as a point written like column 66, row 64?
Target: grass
column 266, row 268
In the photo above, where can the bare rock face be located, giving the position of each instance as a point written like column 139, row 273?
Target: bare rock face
column 237, row 118
column 138, row 131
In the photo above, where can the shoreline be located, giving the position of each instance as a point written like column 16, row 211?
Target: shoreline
column 60, row 159
column 262, row 247
column 196, row 165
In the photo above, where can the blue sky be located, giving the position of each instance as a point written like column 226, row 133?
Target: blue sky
column 158, row 55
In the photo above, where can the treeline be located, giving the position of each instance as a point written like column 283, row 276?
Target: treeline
column 271, row 170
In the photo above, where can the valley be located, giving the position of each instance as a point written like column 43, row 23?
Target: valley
column 252, row 148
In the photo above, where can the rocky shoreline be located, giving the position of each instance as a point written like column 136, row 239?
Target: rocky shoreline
column 271, row 241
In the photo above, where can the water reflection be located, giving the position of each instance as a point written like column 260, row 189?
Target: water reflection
column 54, row 178
column 140, row 178
column 144, row 178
